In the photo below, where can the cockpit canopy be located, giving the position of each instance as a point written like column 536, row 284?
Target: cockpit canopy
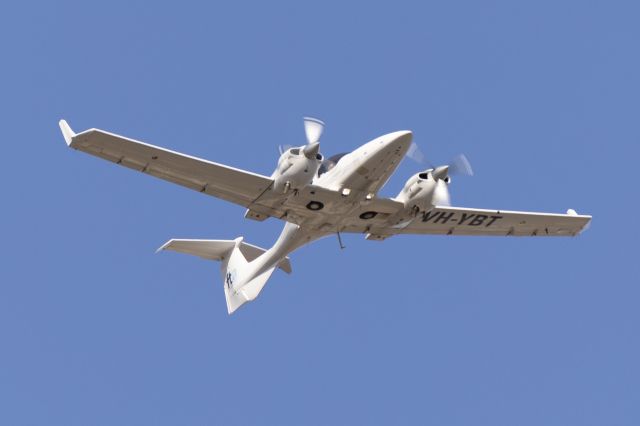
column 330, row 163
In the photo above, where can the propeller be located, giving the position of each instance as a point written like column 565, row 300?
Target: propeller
column 313, row 129
column 459, row 165
column 415, row 153
column 441, row 194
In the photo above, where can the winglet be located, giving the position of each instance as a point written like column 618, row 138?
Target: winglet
column 66, row 131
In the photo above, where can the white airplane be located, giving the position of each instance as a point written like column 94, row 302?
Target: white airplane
column 317, row 197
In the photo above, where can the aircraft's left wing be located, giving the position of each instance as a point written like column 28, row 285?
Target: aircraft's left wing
column 231, row 184
column 467, row 221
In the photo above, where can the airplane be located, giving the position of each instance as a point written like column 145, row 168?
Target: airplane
column 316, row 197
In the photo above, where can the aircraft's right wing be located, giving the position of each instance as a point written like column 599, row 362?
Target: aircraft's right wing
column 228, row 183
column 467, row 221
column 231, row 184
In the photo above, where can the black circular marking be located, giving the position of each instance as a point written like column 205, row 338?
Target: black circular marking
column 368, row 215
column 315, row 205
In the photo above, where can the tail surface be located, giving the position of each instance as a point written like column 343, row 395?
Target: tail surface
column 242, row 281
column 238, row 287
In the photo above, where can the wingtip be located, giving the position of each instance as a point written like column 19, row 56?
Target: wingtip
column 586, row 226
column 164, row 246
column 66, row 131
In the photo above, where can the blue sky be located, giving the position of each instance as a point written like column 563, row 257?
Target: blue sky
column 543, row 97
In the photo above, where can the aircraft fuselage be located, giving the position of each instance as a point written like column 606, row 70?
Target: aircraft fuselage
column 357, row 175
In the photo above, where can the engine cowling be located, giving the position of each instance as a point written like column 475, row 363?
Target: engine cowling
column 296, row 168
column 423, row 191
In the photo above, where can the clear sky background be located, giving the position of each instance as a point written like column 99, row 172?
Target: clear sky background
column 96, row 329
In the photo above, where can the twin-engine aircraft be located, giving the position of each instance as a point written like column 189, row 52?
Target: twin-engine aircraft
column 317, row 196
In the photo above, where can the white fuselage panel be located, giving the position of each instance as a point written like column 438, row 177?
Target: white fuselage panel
column 369, row 167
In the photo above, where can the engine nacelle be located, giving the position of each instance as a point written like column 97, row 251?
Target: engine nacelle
column 296, row 168
column 418, row 193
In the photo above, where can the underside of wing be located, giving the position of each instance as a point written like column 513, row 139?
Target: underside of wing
column 228, row 183
column 467, row 221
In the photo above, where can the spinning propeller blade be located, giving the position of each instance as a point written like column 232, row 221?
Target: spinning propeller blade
column 441, row 194
column 415, row 153
column 313, row 129
column 460, row 166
